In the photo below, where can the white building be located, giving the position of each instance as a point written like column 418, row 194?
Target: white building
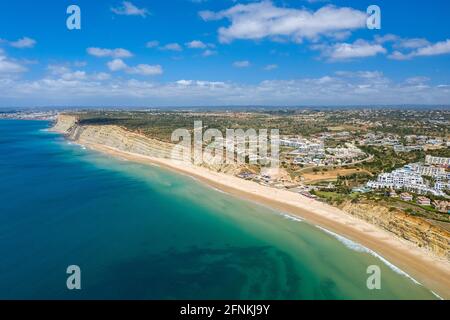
column 398, row 178
column 441, row 186
column 350, row 152
column 441, row 161
column 429, row 171
column 404, row 179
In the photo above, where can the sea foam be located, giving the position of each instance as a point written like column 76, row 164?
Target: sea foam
column 437, row 296
column 360, row 248
column 291, row 217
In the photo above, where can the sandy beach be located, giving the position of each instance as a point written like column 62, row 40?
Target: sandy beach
column 431, row 271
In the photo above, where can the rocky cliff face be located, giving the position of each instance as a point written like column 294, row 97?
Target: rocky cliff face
column 414, row 229
column 113, row 136
column 122, row 139
column 65, row 123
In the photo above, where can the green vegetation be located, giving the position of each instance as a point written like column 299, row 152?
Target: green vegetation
column 385, row 159
column 160, row 125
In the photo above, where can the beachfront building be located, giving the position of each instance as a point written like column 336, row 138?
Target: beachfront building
column 442, row 206
column 423, row 201
column 406, row 197
column 246, row 175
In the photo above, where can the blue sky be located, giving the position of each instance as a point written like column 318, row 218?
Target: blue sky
column 224, row 52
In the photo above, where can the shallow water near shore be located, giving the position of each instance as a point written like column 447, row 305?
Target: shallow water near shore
column 142, row 232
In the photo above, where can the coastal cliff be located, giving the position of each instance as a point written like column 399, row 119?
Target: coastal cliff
column 413, row 229
column 65, row 123
column 112, row 136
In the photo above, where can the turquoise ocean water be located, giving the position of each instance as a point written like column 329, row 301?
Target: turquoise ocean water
column 141, row 232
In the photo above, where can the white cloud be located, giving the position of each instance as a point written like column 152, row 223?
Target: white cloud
column 140, row 69
column 402, row 43
column 241, row 64
column 264, row 20
column 80, row 63
column 23, row 43
column 111, row 53
column 343, row 88
column 65, row 72
column 101, row 76
column 129, row 9
column 152, row 44
column 397, row 55
column 386, row 38
column 117, row 65
column 344, row 51
column 200, row 83
column 435, row 49
column 417, row 80
column 172, row 47
column 208, row 53
column 196, row 44
column 57, row 69
column 370, row 75
column 412, row 43
column 8, row 66
column 76, row 75
column 146, row 70
column 270, row 67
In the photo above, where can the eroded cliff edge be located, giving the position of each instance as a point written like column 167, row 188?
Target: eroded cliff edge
column 416, row 230
column 413, row 229
column 111, row 136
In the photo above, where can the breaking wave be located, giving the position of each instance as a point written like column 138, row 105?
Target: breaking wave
column 360, row 248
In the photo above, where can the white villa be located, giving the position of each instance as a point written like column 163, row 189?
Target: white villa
column 405, row 179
